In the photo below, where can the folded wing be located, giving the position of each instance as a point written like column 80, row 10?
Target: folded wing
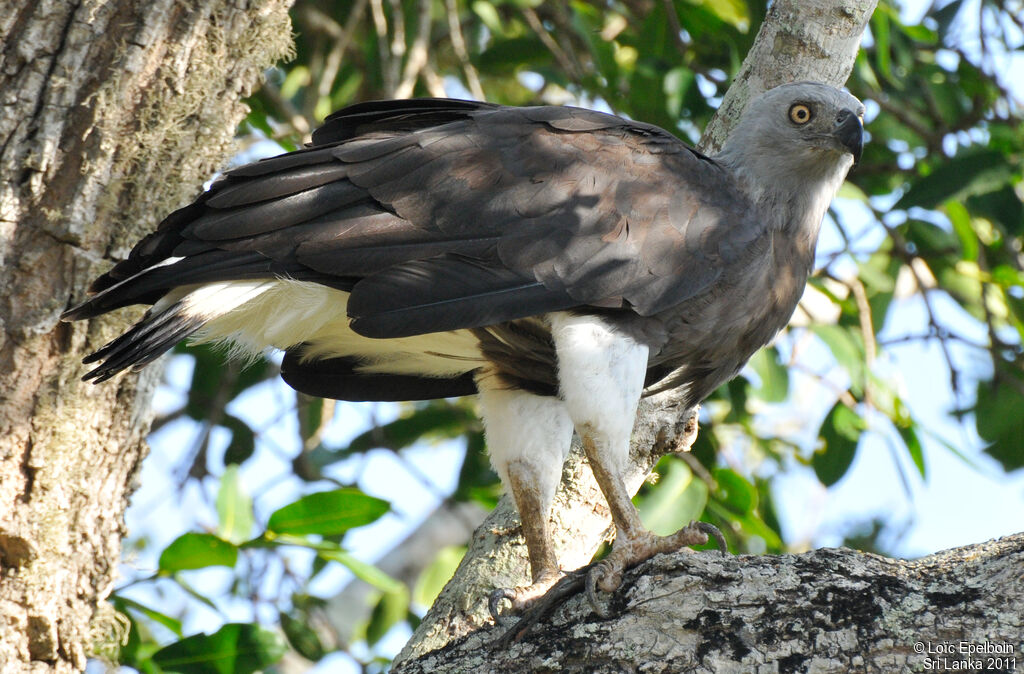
column 441, row 215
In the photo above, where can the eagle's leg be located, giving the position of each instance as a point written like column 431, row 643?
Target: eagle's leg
column 633, row 542
column 601, row 376
column 528, row 438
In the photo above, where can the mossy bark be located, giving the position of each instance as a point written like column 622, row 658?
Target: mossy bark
column 113, row 113
column 825, row 611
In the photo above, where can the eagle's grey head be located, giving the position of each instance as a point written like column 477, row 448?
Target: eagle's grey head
column 792, row 149
column 798, row 131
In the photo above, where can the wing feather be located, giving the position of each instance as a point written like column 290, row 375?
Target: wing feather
column 448, row 292
column 341, row 379
column 442, row 215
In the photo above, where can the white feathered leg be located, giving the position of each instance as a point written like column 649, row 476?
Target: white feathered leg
column 528, row 438
column 601, row 376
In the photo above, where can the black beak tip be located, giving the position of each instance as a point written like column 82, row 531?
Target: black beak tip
column 857, row 148
column 850, row 133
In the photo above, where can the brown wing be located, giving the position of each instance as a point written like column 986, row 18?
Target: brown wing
column 440, row 215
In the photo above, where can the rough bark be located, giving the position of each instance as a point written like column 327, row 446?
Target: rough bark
column 113, row 113
column 813, row 40
column 799, row 40
column 824, row 611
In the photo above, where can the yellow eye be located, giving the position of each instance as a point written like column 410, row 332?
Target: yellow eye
column 800, row 114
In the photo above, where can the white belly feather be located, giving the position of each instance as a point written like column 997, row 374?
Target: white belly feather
column 249, row 317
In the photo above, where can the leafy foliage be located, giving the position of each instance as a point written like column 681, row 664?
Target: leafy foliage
column 939, row 193
column 233, row 649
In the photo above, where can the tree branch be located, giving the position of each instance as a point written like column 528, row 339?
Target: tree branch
column 810, row 40
column 829, row 610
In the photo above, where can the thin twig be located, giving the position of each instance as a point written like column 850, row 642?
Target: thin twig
column 940, row 331
column 900, row 113
column 459, row 45
column 340, row 38
column 843, row 394
column 417, row 55
column 563, row 60
column 928, row 336
column 398, row 46
column 380, row 25
column 435, row 85
column 867, row 333
column 296, row 119
column 675, row 28
column 164, row 419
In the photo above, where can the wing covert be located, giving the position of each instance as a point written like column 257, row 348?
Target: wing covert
column 441, row 215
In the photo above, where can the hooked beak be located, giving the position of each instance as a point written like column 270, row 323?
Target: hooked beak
column 850, row 133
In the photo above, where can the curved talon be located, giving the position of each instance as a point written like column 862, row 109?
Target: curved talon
column 714, row 532
column 567, row 586
column 592, row 581
column 494, row 603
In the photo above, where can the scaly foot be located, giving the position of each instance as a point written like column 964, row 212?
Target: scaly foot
column 520, row 597
column 606, row 575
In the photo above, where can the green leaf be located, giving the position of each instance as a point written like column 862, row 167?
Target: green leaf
column 880, row 31
column 730, row 11
column 302, row 637
column 313, row 414
column 243, row 440
column 233, row 649
column 477, row 479
column 773, row 374
column 505, row 57
column 913, row 444
column 998, row 417
column 944, row 16
column 437, row 574
column 489, row 15
column 197, row 551
column 328, row 513
column 122, row 603
column 675, row 86
column 363, row 570
column 841, row 432
column 735, row 491
column 973, row 172
column 961, row 221
column 437, row 420
column 847, row 348
column 297, row 78
column 1002, row 206
column 752, row 525
column 140, row 646
column 392, row 608
column 676, row 500
column 234, row 508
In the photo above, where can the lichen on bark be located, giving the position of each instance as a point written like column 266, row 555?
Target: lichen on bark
column 115, row 112
column 823, row 611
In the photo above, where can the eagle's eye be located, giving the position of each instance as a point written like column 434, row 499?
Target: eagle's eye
column 800, row 114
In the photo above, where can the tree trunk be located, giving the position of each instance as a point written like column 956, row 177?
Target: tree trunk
column 799, row 40
column 823, row 611
column 114, row 112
